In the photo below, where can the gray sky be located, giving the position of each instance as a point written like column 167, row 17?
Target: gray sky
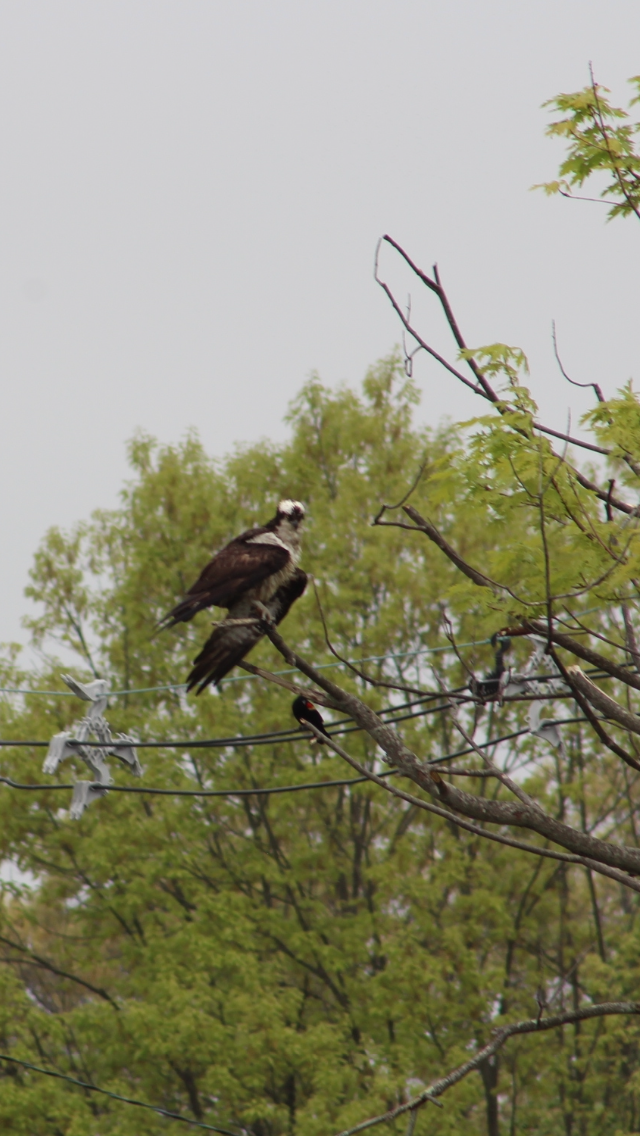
column 190, row 199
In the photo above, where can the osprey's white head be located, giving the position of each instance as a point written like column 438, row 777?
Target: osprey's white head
column 292, row 511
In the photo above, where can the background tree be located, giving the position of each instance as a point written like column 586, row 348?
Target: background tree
column 301, row 961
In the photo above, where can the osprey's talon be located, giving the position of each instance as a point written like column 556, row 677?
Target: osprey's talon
column 264, row 613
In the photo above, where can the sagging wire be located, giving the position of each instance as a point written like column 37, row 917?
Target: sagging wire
column 497, row 685
column 245, row 678
column 116, row 1096
column 275, row 738
column 258, row 792
column 288, row 670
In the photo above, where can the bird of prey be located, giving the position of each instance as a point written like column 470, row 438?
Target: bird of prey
column 230, row 641
column 260, row 565
column 305, row 711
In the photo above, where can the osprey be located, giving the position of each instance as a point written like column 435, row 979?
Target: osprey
column 260, row 564
column 231, row 641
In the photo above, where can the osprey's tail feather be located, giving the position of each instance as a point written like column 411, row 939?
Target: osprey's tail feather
column 184, row 611
column 226, row 647
column 229, row 643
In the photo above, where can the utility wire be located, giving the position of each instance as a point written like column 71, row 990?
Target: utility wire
column 257, row 792
column 116, row 1096
column 246, row 678
column 240, row 739
column 283, row 736
column 289, row 670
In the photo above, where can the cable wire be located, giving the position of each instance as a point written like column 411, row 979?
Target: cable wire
column 117, row 1096
column 246, row 678
column 288, row 670
column 284, row 736
column 269, row 791
column 239, row 740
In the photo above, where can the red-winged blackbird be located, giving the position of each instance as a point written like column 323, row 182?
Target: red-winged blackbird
column 305, row 712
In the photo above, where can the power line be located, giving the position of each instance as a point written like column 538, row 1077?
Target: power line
column 283, row 736
column 248, row 677
column 243, row 739
column 116, row 1096
column 289, row 670
column 270, row 791
column 207, row 792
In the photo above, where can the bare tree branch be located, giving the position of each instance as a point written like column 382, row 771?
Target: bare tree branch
column 431, row 531
column 435, row 285
column 596, row 725
column 598, row 392
column 278, row 680
column 603, row 702
column 568, row 643
column 482, row 809
column 481, row 386
column 500, row 1036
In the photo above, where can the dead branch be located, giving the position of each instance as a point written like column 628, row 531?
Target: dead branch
column 295, row 688
column 500, row 1036
column 496, row 838
column 568, row 643
column 505, row 813
column 481, row 385
column 598, row 393
column 595, row 723
column 602, row 701
column 431, row 531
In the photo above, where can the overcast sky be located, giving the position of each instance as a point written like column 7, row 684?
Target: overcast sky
column 191, row 196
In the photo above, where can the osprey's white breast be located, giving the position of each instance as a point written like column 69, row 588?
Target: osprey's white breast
column 287, row 538
column 270, row 538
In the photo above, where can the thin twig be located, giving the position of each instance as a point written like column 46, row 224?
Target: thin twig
column 483, row 388
column 599, row 394
column 403, row 501
column 603, row 130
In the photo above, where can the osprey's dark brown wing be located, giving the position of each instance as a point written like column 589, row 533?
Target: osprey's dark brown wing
column 229, row 643
column 239, row 566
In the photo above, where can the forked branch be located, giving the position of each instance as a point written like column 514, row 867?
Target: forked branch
column 482, row 809
column 481, row 386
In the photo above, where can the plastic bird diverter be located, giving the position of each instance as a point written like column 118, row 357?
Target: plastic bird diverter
column 72, row 744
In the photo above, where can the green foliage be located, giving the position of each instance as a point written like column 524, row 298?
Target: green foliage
column 295, row 963
column 601, row 141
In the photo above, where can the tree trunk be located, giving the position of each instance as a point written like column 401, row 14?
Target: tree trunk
column 489, row 1073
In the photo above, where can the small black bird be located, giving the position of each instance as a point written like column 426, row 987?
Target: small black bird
column 305, row 712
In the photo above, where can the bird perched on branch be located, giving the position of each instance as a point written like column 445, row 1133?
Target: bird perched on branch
column 232, row 639
column 305, row 711
column 257, row 566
